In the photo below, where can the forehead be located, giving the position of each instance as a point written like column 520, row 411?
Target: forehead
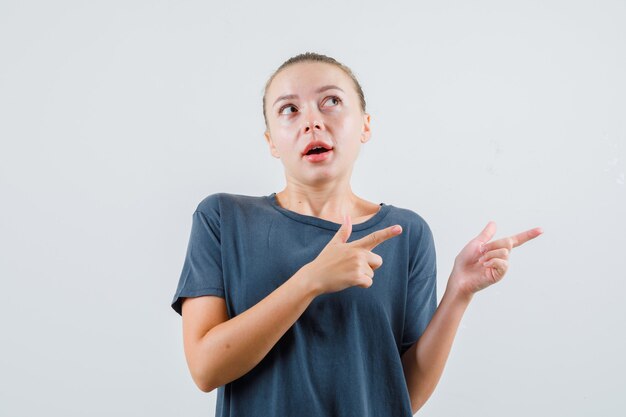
column 306, row 77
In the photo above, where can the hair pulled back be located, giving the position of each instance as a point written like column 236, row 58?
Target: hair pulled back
column 315, row 57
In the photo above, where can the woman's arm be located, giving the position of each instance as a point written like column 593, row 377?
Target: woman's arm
column 219, row 350
column 478, row 265
column 423, row 362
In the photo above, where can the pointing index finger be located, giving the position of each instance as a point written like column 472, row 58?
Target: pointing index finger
column 513, row 241
column 521, row 238
column 374, row 239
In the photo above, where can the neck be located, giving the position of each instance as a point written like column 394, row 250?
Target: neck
column 330, row 201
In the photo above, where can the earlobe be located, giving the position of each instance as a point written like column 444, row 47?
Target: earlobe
column 366, row 133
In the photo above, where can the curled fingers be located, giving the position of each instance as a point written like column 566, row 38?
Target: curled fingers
column 502, row 253
column 373, row 260
column 498, row 268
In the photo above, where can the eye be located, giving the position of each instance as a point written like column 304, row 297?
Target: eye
column 333, row 98
column 287, row 106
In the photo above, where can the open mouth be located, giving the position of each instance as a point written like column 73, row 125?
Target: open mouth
column 317, row 150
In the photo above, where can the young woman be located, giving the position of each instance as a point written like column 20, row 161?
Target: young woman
column 314, row 301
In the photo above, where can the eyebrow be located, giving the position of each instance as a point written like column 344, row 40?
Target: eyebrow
column 319, row 90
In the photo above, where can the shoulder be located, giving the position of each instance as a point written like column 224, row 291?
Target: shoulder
column 420, row 241
column 413, row 224
column 409, row 217
column 216, row 203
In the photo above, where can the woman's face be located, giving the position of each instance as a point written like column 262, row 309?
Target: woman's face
column 314, row 103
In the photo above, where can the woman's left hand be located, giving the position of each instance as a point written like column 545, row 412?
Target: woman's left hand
column 482, row 263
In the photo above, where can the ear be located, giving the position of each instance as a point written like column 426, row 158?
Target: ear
column 367, row 132
column 273, row 150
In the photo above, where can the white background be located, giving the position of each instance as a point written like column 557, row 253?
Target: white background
column 117, row 118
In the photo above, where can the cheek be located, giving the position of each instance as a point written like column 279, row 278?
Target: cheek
column 352, row 128
column 284, row 140
column 286, row 122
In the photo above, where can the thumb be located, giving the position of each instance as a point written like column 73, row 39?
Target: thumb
column 344, row 231
column 488, row 232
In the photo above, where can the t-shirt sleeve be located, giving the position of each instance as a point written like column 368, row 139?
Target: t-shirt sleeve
column 202, row 268
column 421, row 300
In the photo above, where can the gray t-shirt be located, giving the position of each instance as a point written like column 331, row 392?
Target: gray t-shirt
column 342, row 357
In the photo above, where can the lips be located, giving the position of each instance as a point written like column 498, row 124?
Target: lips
column 317, row 146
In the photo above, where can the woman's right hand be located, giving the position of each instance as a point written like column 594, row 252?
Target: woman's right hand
column 342, row 265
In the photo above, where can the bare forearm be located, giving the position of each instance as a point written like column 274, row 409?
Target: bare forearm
column 234, row 347
column 480, row 263
column 424, row 362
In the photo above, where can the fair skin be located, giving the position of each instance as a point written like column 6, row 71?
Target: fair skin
column 219, row 350
column 333, row 116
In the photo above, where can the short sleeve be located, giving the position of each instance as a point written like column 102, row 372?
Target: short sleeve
column 202, row 268
column 421, row 301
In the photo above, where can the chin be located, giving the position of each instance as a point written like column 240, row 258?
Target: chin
column 325, row 176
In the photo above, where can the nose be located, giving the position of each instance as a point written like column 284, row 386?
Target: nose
column 315, row 124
